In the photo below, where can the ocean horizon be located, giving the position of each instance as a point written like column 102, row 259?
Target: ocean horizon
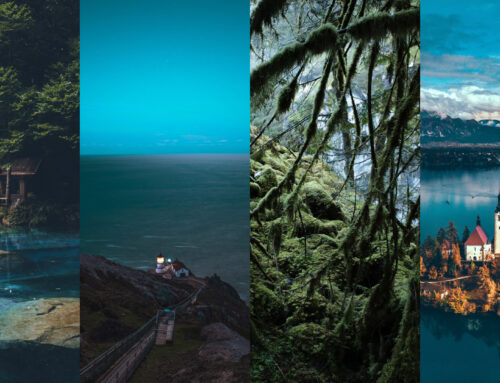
column 193, row 207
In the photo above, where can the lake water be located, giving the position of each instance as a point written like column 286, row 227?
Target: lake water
column 191, row 207
column 46, row 266
column 455, row 348
column 469, row 192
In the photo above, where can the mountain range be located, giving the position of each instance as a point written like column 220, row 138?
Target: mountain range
column 439, row 128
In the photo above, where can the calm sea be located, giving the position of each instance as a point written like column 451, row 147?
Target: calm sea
column 191, row 207
column 49, row 268
column 455, row 348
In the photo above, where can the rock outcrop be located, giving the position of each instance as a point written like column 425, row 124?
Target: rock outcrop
column 53, row 321
column 117, row 299
column 222, row 343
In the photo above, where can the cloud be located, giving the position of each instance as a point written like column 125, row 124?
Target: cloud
column 194, row 137
column 459, row 67
column 466, row 102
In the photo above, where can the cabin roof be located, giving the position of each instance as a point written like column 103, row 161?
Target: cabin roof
column 24, row 166
column 477, row 238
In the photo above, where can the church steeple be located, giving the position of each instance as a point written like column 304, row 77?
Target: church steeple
column 478, row 222
column 498, row 205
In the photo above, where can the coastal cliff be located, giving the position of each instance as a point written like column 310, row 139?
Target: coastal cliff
column 116, row 300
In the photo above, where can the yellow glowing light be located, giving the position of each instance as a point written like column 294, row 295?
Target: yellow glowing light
column 160, row 259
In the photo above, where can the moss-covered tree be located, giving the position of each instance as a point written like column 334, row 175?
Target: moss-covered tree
column 334, row 239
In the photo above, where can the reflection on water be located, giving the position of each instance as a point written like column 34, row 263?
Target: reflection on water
column 36, row 265
column 459, row 348
column 458, row 196
column 456, row 348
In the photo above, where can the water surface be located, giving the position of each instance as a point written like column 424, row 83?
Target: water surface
column 191, row 207
column 44, row 265
column 458, row 196
column 456, row 348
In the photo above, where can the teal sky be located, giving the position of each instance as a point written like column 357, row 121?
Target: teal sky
column 164, row 76
column 461, row 58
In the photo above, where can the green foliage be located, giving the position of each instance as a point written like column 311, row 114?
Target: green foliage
column 39, row 78
column 41, row 214
column 39, row 95
column 334, row 277
column 14, row 17
column 308, row 337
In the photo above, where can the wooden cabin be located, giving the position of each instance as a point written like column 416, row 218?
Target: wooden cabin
column 15, row 180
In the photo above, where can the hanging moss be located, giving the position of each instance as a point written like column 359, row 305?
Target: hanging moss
column 286, row 96
column 379, row 25
column 320, row 40
column 275, row 234
column 338, row 261
column 266, row 201
column 263, row 14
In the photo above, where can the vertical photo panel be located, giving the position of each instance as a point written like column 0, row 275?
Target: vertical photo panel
column 39, row 191
column 460, row 189
column 334, row 183
column 164, row 191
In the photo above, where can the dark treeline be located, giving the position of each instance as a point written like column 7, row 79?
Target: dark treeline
column 39, row 92
column 334, row 191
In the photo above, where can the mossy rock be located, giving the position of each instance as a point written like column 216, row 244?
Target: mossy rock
column 321, row 203
column 278, row 164
column 266, row 301
column 308, row 337
column 255, row 166
column 266, row 178
column 310, row 225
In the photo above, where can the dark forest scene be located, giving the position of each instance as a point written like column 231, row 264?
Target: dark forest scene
column 334, row 185
column 39, row 113
column 39, row 190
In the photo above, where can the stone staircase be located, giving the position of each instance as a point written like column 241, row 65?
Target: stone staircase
column 165, row 331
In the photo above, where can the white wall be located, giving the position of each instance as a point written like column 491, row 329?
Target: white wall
column 475, row 251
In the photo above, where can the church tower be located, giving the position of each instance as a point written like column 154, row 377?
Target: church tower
column 497, row 229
